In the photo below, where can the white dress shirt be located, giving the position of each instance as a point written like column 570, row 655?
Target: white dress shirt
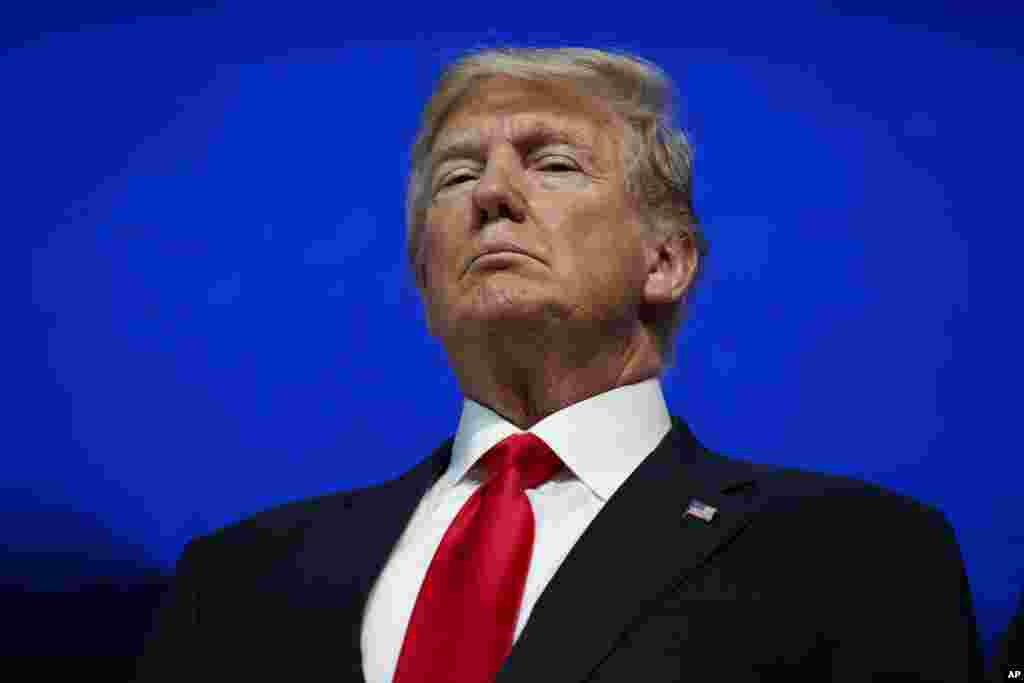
column 601, row 440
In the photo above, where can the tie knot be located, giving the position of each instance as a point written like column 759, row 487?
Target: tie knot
column 524, row 456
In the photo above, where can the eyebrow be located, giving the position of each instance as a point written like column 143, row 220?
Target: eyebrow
column 469, row 143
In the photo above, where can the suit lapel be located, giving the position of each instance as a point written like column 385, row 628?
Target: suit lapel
column 639, row 544
column 346, row 549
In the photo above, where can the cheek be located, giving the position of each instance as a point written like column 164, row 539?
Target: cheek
column 438, row 248
column 600, row 236
column 607, row 250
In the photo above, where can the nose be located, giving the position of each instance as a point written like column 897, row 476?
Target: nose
column 497, row 193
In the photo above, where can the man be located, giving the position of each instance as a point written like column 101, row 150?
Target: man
column 571, row 529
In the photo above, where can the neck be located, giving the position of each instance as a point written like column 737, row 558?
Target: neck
column 525, row 380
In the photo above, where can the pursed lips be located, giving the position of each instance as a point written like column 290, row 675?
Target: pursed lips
column 497, row 248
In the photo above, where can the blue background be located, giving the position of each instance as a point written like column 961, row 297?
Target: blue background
column 220, row 321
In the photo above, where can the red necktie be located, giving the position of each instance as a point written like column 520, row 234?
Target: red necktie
column 462, row 627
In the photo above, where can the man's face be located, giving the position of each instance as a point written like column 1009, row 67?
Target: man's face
column 540, row 170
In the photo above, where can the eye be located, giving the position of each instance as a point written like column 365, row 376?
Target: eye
column 457, row 178
column 558, row 164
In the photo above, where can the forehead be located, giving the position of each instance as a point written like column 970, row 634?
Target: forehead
column 506, row 106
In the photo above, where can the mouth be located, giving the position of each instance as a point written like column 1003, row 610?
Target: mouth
column 499, row 256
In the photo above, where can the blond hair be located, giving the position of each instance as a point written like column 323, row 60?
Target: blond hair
column 658, row 159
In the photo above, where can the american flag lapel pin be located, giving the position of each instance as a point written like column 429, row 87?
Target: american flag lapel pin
column 700, row 510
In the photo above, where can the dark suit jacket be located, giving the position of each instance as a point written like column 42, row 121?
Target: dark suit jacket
column 799, row 576
column 1008, row 654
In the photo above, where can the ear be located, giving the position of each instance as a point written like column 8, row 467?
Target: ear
column 671, row 267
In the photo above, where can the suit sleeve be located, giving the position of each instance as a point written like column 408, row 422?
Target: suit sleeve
column 171, row 650
column 1009, row 649
column 906, row 612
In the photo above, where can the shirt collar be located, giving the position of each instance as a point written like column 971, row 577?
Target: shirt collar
column 601, row 439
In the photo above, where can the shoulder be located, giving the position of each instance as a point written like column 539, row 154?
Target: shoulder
column 281, row 529
column 260, row 536
column 820, row 500
column 817, row 497
column 819, row 526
